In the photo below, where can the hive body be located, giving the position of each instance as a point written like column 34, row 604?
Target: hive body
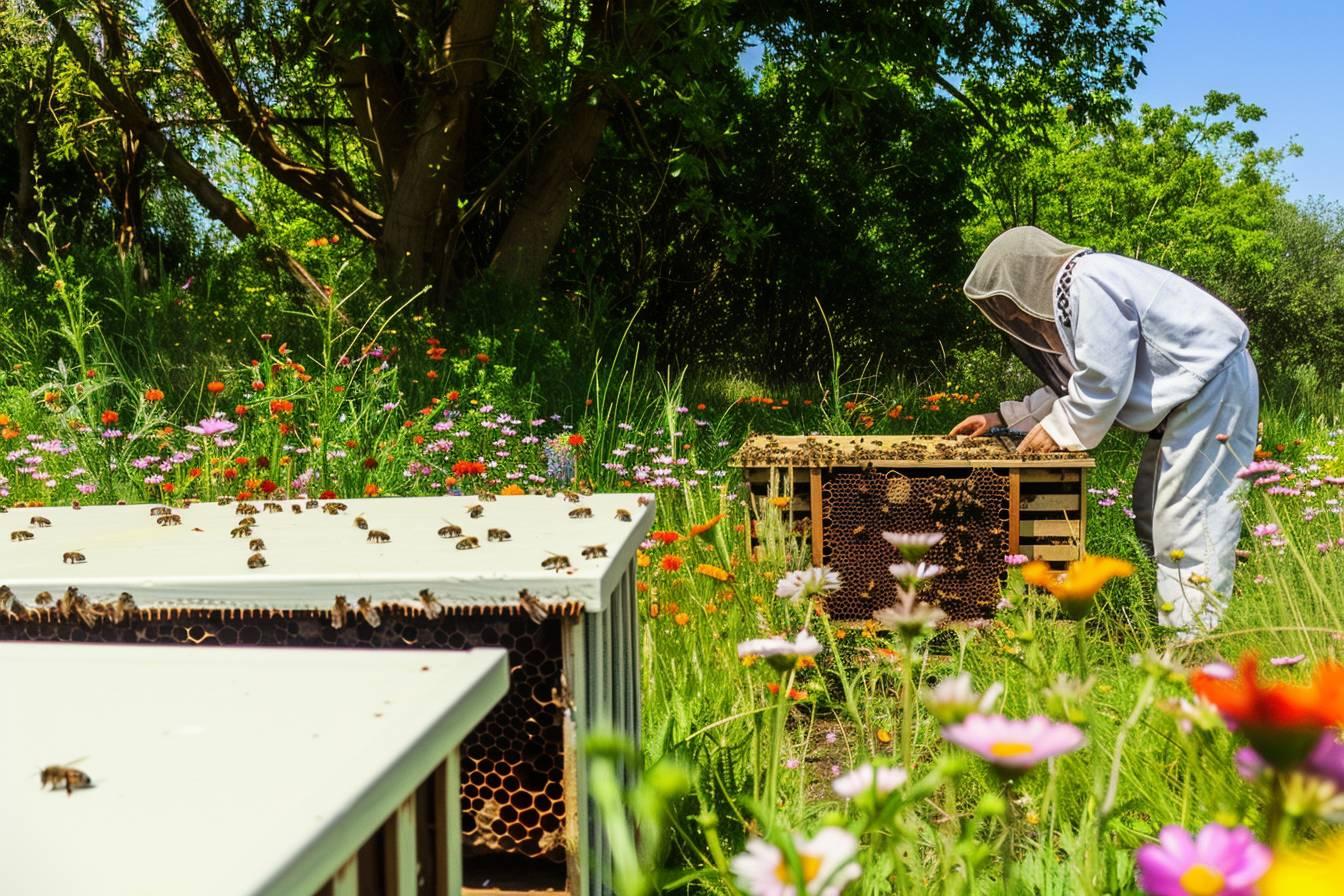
column 841, row 493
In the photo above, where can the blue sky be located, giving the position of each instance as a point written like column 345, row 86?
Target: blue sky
column 1285, row 56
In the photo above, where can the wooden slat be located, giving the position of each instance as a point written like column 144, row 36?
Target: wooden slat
column 448, row 824
column 1058, row 528
column 399, row 850
column 1082, row 511
column 814, row 481
column 1014, row 518
column 1052, row 552
column 1051, row 474
column 1000, row 453
column 1049, row 502
column 345, row 882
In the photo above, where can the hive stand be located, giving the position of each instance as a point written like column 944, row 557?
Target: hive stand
column 527, row 823
column 841, row 492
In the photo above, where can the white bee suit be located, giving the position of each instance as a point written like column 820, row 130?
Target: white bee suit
column 1153, row 352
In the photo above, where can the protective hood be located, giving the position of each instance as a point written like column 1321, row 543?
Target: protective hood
column 1013, row 285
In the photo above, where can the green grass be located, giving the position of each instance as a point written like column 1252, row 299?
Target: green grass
column 364, row 427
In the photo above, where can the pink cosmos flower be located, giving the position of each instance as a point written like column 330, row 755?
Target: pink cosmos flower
column 1218, row 861
column 1014, row 745
column 879, row 780
column 212, row 426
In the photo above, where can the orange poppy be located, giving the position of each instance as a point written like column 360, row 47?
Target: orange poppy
column 1281, row 720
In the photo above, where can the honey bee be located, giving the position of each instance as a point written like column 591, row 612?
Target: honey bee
column 556, row 562
column 296, row 508
column 43, row 599
column 361, row 523
column 9, row 604
column 623, row 515
column 171, row 519
column 469, row 543
column 475, row 511
column 222, row 500
column 120, row 608
column 65, row 607
column 160, row 511
column 430, row 604
column 312, row 504
column 72, row 779
column 868, row 592
column 369, row 612
column 644, row 500
column 21, row 535
column 73, row 557
column 450, row 531
column 572, row 497
column 333, row 507
column 859, row 531
column 75, row 505
column 256, row 561
column 593, row 551
column 242, row 531
column 256, row 544
column 534, row 608
column 498, row 534
column 248, row 521
column 245, row 509
column 581, row 513
column 273, row 507
column 378, row 537
column 485, row 496
column 339, row 610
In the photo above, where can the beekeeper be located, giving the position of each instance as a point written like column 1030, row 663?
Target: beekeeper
column 1118, row 341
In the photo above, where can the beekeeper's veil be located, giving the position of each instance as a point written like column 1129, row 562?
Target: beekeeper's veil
column 1013, row 285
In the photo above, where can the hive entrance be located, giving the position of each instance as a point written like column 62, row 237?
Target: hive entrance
column 971, row 510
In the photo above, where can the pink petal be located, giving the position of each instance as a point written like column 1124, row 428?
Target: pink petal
column 1177, row 841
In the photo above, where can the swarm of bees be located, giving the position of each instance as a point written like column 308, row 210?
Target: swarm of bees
column 64, row 776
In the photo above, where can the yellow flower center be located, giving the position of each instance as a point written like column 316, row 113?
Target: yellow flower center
column 1201, row 880
column 1006, row 748
column 811, row 866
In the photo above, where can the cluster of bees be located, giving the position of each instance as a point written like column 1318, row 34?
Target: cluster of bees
column 814, row 451
column 430, row 605
column 71, row 606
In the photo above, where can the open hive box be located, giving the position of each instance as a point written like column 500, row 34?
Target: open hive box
column 552, row 580
column 843, row 492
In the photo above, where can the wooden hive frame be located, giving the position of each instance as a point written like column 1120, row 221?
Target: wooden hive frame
column 1047, row 506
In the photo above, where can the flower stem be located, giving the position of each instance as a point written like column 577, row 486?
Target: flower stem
column 907, row 702
column 1008, row 847
column 1080, row 639
column 772, row 754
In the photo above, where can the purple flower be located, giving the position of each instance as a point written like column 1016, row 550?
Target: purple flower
column 1287, row 660
column 1014, row 559
column 1266, row 530
column 1218, row 861
column 212, row 426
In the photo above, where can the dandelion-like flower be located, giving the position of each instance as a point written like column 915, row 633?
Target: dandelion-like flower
column 212, row 426
column 1014, row 746
column 826, row 865
column 909, row 619
column 781, row 653
column 913, row 545
column 911, row 575
column 801, row 584
column 869, row 779
column 1218, row 861
column 953, row 699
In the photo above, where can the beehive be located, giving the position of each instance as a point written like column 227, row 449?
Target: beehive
column 840, row 493
column 572, row 642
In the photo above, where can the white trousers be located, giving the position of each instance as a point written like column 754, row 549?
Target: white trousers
column 1184, row 496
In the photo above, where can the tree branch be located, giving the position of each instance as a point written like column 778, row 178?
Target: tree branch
column 330, row 189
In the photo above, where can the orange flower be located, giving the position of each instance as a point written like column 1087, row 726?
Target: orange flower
column 702, row 528
column 653, row 610
column 109, row 417
column 781, row 502
column 214, row 387
column 153, row 395
column 454, row 395
column 895, row 413
column 671, row 563
column 372, row 490
column 281, row 406
column 51, row 397
column 714, row 572
column 483, row 357
column 240, row 410
column 258, row 385
column 512, row 488
column 575, row 440
column 1076, row 587
column 664, row 537
column 1282, row 721
column 682, row 618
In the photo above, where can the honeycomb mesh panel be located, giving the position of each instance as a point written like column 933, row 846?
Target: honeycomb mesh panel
column 970, row 510
column 512, row 764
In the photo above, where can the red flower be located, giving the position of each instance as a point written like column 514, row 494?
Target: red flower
column 468, row 468
column 483, row 357
column 671, row 563
column 372, row 490
column 239, row 410
column 436, row 353
column 230, row 473
column 153, row 395
column 327, row 495
column 109, row 417
column 281, row 406
column 370, row 463
column 90, row 374
column 168, row 487
column 194, row 472
column 214, row 387
column 241, row 461
column 263, row 462
column 258, row 385
column 664, row 537
column 454, row 395
column 575, row 440
column 267, row 486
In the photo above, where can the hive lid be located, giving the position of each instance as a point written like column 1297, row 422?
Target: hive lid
column 219, row 773
column 896, row 451
column 312, row 556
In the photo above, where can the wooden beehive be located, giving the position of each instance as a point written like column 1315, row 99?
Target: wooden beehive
column 842, row 492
